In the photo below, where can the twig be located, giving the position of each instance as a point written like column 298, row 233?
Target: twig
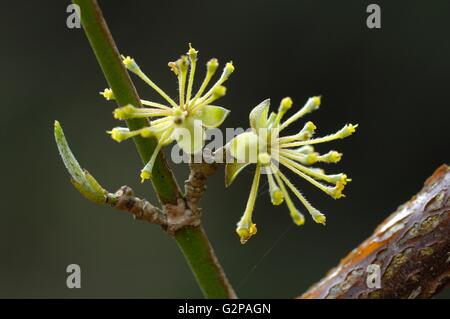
column 141, row 209
column 411, row 248
column 195, row 185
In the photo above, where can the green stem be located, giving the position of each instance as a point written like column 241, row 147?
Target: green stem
column 192, row 240
column 210, row 276
column 125, row 93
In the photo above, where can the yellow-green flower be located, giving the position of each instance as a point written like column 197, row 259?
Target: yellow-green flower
column 264, row 147
column 184, row 122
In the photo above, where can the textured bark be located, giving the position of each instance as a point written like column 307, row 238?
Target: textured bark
column 172, row 218
column 411, row 248
column 195, row 185
column 141, row 209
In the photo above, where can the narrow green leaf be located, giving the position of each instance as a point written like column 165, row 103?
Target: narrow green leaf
column 81, row 179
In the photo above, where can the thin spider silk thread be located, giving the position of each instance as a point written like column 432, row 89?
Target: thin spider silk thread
column 268, row 251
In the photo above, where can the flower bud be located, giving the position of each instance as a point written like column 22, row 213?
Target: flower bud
column 336, row 192
column 331, row 157
column 219, row 91
column 212, row 65
column 145, row 174
column 192, row 53
column 130, row 64
column 297, row 217
column 173, row 67
column 125, row 112
column 119, row 134
column 318, row 216
column 276, row 196
column 312, row 104
column 245, row 231
column 228, row 69
column 347, row 130
column 285, row 104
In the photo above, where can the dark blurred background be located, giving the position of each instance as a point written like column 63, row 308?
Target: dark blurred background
column 393, row 81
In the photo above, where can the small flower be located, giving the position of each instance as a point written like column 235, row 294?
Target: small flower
column 264, row 147
column 120, row 134
column 108, row 94
column 184, row 122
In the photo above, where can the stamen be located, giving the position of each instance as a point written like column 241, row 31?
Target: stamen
column 307, row 159
column 307, row 149
column 211, row 68
column 285, row 105
column 227, row 70
column 130, row 112
column 306, row 133
column 346, row 131
column 335, row 192
column 245, row 227
column 193, row 59
column 147, row 132
column 161, row 120
column 333, row 179
column 182, row 64
column 132, row 66
column 316, row 215
column 146, row 172
column 312, row 104
column 157, row 105
column 162, row 126
column 276, row 195
column 297, row 217
column 330, row 157
column 219, row 91
column 271, row 119
column 120, row 134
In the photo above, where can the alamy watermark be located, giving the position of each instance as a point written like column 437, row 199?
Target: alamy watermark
column 217, row 148
column 373, row 21
column 74, row 278
column 73, row 20
column 373, row 280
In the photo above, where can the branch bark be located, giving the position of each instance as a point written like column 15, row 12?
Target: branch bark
column 195, row 185
column 411, row 248
column 141, row 209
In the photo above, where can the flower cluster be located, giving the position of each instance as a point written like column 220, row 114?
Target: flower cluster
column 187, row 120
column 264, row 147
column 184, row 122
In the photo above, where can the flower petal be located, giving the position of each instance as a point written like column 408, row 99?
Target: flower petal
column 212, row 116
column 258, row 116
column 232, row 170
column 244, row 147
column 190, row 136
column 271, row 119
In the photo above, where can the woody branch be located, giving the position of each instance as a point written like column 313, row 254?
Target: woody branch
column 411, row 248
